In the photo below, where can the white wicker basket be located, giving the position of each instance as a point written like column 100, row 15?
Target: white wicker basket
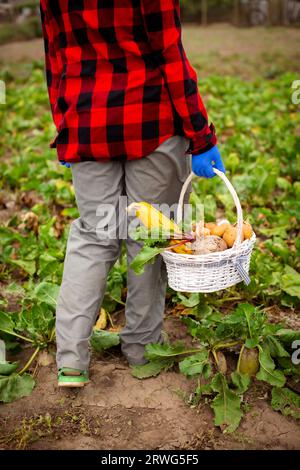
column 215, row 271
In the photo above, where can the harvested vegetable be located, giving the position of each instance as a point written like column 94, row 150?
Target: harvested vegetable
column 184, row 249
column 152, row 218
column 209, row 244
column 230, row 235
column 248, row 361
column 159, row 234
column 200, row 230
column 210, row 226
column 219, row 230
column 247, row 230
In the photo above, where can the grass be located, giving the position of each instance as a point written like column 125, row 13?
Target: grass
column 52, row 425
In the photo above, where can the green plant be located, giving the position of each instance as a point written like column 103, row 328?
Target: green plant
column 13, row 385
column 216, row 337
column 34, row 324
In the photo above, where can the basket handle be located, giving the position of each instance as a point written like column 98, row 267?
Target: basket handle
column 233, row 194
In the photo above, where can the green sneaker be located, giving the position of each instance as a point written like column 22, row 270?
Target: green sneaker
column 68, row 377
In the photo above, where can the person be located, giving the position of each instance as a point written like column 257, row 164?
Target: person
column 128, row 114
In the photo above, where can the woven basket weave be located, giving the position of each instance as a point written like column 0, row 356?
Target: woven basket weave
column 215, row 271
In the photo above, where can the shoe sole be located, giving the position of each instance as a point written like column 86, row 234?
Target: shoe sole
column 72, row 384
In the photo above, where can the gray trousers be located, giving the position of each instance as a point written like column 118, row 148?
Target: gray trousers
column 156, row 179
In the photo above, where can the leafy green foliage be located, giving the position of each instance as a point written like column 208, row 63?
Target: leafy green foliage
column 47, row 293
column 146, row 255
column 197, row 364
column 14, row 386
column 154, row 242
column 291, row 282
column 288, row 368
column 7, row 368
column 226, row 405
column 157, row 351
column 151, row 369
column 245, row 327
column 267, row 371
column 102, row 340
column 36, row 317
column 241, row 382
column 191, row 301
column 288, row 336
column 115, row 287
column 286, row 401
column 6, row 323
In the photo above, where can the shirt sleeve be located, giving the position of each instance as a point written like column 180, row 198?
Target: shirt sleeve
column 53, row 63
column 163, row 26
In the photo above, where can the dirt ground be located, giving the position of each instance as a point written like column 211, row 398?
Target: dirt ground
column 246, row 52
column 117, row 411
column 215, row 49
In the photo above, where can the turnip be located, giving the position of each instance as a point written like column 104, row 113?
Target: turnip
column 219, row 230
column 230, row 236
column 248, row 362
column 210, row 244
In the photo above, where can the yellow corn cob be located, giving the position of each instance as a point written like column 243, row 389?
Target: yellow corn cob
column 152, row 218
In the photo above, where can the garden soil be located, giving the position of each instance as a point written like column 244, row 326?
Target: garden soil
column 117, row 411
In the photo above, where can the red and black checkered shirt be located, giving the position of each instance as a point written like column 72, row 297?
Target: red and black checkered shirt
column 119, row 80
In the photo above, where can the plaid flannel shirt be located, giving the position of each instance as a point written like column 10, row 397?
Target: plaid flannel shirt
column 118, row 78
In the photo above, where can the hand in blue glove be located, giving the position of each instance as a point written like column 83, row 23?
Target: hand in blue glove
column 203, row 164
column 66, row 164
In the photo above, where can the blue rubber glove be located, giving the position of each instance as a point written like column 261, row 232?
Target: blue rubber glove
column 66, row 164
column 203, row 164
